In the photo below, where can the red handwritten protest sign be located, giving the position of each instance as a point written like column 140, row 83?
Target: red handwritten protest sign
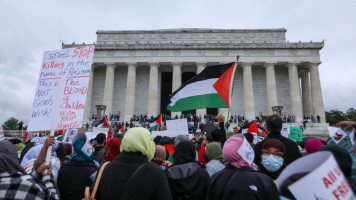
column 73, row 66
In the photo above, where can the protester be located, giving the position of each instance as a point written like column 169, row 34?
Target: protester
column 112, row 149
column 160, row 158
column 74, row 175
column 16, row 184
column 187, row 178
column 214, row 157
column 238, row 180
column 273, row 155
column 129, row 176
column 157, row 140
column 313, row 145
column 167, row 143
column 178, row 139
column 274, row 127
column 99, row 152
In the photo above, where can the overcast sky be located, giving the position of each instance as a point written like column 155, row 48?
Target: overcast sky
column 28, row 28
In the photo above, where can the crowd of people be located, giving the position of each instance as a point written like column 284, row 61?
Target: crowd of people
column 136, row 166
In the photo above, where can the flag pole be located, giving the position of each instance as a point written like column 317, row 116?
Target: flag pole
column 228, row 113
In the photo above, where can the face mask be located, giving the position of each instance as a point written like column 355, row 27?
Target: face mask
column 272, row 163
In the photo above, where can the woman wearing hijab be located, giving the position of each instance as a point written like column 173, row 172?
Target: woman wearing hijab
column 74, row 175
column 112, row 149
column 129, row 176
column 16, row 184
column 160, row 157
column 213, row 154
column 238, row 180
column 187, row 178
column 272, row 159
column 313, row 145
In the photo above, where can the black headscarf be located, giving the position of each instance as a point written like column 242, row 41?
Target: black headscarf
column 9, row 161
column 184, row 153
column 166, row 140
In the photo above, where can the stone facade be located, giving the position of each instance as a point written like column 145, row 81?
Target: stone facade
column 128, row 67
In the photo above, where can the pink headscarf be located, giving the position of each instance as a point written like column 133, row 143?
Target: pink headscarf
column 230, row 152
column 313, row 145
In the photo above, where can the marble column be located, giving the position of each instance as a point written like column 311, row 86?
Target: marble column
column 306, row 93
column 201, row 112
column 109, row 87
column 294, row 89
column 316, row 93
column 88, row 106
column 249, row 105
column 271, row 87
column 153, row 90
column 130, row 91
column 176, row 82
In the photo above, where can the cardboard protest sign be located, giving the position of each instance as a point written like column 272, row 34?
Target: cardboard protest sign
column 97, row 130
column 325, row 179
column 285, row 130
column 70, row 68
column 2, row 134
column 295, row 133
column 70, row 134
column 177, row 127
column 246, row 151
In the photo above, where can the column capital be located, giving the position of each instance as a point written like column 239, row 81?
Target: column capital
column 246, row 64
column 292, row 64
column 313, row 64
column 94, row 66
column 268, row 64
column 153, row 64
column 177, row 64
column 131, row 64
column 110, row 64
column 201, row 64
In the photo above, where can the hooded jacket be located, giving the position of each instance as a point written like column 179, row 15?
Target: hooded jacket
column 246, row 184
column 187, row 178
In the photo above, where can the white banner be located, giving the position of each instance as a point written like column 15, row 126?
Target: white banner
column 74, row 66
column 285, row 130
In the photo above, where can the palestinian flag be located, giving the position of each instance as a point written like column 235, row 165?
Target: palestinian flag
column 103, row 123
column 155, row 125
column 122, row 130
column 254, row 129
column 209, row 89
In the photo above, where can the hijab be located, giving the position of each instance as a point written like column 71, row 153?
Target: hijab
column 313, row 145
column 184, row 153
column 112, row 149
column 214, row 152
column 138, row 139
column 231, row 152
column 82, row 150
column 161, row 152
column 9, row 161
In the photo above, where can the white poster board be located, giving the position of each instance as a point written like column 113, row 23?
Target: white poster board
column 285, row 130
column 246, row 152
column 73, row 66
column 2, row 134
column 177, row 127
column 97, row 130
column 161, row 133
column 332, row 130
column 70, row 134
column 324, row 181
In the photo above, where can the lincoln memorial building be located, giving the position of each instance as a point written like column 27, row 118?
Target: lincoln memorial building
column 134, row 72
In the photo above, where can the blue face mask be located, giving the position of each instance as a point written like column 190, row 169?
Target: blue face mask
column 272, row 163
